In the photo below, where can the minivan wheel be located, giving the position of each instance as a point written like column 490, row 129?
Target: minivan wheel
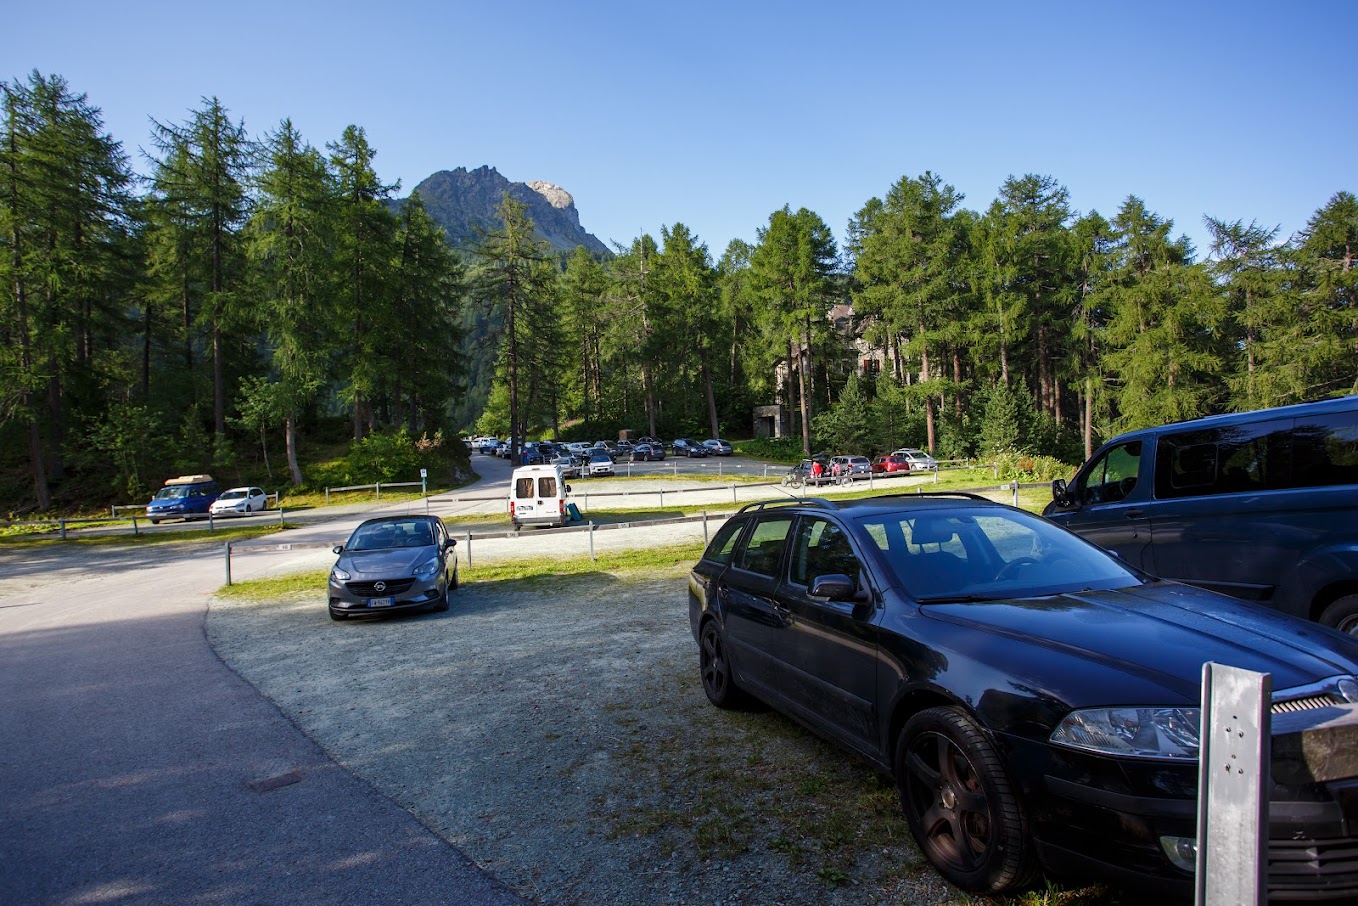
column 959, row 804
column 715, row 669
column 1342, row 615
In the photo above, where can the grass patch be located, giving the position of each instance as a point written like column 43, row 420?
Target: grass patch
column 272, row 588
column 672, row 559
column 216, row 536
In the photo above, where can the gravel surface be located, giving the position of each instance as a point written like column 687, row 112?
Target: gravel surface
column 557, row 734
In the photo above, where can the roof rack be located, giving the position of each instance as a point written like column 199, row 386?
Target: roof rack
column 965, row 495
column 791, row 501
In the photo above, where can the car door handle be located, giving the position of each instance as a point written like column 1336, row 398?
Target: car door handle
column 1135, row 513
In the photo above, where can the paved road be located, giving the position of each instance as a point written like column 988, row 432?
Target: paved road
column 139, row 769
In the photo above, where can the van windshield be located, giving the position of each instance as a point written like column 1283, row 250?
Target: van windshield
column 174, row 492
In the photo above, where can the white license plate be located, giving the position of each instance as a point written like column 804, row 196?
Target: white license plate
column 381, row 602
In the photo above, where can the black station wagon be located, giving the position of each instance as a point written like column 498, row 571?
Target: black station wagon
column 1036, row 699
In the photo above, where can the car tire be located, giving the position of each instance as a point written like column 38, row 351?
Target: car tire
column 959, row 803
column 338, row 617
column 155, row 522
column 714, row 669
column 441, row 604
column 1342, row 615
column 453, row 582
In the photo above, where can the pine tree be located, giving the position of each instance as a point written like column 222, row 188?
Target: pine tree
column 290, row 241
column 791, row 269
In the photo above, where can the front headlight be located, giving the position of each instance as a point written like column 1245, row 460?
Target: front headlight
column 427, row 569
column 1132, row 732
column 338, row 575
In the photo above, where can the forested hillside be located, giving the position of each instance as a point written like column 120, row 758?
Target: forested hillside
column 256, row 294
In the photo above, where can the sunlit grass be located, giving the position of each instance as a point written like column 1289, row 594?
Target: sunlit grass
column 161, row 536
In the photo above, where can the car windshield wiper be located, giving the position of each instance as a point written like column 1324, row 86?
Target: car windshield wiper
column 958, row 599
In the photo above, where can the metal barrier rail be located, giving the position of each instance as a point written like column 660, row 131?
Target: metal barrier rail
column 64, row 523
column 378, row 486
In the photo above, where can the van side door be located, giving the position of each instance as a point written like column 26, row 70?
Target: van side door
column 1109, row 500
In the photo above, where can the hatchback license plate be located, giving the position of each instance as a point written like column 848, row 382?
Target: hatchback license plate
column 381, row 602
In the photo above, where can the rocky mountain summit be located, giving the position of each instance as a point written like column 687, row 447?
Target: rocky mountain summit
column 464, row 202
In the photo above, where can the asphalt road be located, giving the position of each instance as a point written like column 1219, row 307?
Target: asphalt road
column 138, row 768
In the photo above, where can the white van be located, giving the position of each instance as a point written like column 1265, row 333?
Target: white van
column 537, row 496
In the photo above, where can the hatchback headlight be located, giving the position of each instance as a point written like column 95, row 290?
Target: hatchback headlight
column 428, row 569
column 338, row 575
column 1132, row 732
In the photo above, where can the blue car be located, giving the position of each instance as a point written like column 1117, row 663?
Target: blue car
column 183, row 498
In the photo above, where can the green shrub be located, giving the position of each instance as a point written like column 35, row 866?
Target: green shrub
column 1027, row 468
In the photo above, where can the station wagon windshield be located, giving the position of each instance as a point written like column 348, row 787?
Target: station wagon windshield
column 986, row 555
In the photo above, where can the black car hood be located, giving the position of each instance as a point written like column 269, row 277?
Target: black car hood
column 1162, row 633
column 400, row 561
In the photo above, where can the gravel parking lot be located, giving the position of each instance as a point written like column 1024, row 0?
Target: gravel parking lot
column 556, row 732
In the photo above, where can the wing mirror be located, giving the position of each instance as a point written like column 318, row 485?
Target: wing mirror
column 1060, row 493
column 338, row 548
column 837, row 587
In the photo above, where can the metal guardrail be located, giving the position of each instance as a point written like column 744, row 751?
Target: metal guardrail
column 66, row 523
column 377, row 486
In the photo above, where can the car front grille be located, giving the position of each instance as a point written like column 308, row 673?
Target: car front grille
column 369, row 589
column 1304, row 869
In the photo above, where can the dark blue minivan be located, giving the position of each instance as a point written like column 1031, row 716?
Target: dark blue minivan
column 1260, row 505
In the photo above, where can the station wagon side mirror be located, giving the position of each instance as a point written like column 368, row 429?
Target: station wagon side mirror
column 338, row 548
column 835, row 587
column 1060, row 493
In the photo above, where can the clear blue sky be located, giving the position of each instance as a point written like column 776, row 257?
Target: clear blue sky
column 718, row 113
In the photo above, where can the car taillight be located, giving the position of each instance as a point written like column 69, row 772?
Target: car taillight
column 511, row 508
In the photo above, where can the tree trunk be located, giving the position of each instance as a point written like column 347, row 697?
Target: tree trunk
column 711, row 400
column 294, row 470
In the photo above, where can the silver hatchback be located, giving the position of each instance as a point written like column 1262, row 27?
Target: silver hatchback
column 393, row 563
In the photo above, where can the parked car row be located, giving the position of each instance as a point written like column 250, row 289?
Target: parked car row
column 190, row 496
column 654, row 448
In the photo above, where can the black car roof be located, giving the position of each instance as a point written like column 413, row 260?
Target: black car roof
column 409, row 518
column 929, row 500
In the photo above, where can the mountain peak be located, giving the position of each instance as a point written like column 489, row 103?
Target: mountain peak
column 464, row 202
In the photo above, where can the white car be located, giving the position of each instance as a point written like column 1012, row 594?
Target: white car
column 238, row 501
column 918, row 459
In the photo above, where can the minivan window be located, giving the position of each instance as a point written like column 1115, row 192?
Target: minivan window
column 523, row 487
column 1112, row 477
column 1325, row 450
column 1236, row 459
column 547, row 486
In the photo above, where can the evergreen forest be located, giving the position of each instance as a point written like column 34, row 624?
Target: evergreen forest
column 254, row 300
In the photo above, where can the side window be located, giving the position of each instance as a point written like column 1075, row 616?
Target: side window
column 1229, row 460
column 719, row 551
column 1112, row 476
column 1325, row 450
column 547, row 486
column 523, row 487
column 764, row 549
column 822, row 549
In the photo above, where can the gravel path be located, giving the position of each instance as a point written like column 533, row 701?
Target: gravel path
column 556, row 733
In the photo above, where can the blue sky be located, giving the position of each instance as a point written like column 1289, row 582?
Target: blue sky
column 716, row 114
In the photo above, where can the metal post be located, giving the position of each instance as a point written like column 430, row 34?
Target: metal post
column 469, row 550
column 591, row 539
column 327, row 496
column 1016, row 493
column 210, row 527
column 705, row 526
column 379, row 490
column 134, row 527
column 734, row 499
column 63, row 529
column 227, row 548
column 1233, row 780
column 662, row 498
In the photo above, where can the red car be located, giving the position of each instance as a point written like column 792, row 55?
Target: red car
column 890, row 464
